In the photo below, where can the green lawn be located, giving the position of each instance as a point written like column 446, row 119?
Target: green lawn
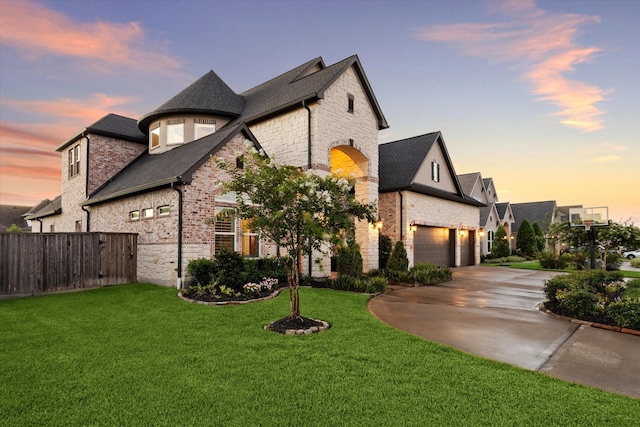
column 535, row 265
column 138, row 355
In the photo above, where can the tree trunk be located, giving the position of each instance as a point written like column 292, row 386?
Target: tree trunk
column 293, row 280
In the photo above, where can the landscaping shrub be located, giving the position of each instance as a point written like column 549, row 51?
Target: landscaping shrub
column 398, row 262
column 201, row 271
column 358, row 284
column 526, row 239
column 428, row 274
column 349, row 260
column 505, row 260
column 555, row 284
column 626, row 313
column 578, row 259
column 633, row 289
column 578, row 302
column 385, row 245
column 551, row 260
column 614, row 261
column 230, row 269
column 635, row 263
column 500, row 246
column 257, row 268
column 539, row 237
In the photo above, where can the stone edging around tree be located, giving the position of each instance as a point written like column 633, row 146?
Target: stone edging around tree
column 311, row 330
column 195, row 301
column 543, row 309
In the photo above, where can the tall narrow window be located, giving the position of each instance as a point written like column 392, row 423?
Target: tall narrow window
column 350, row 103
column 250, row 241
column 203, row 127
column 154, row 136
column 225, row 229
column 74, row 160
column 175, row 131
column 435, row 171
column 78, row 226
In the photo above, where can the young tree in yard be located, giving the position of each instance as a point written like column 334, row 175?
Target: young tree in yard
column 500, row 246
column 539, row 235
column 526, row 240
column 612, row 237
column 298, row 211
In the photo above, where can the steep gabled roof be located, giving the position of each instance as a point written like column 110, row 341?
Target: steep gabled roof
column 468, row 182
column 540, row 212
column 485, row 211
column 399, row 162
column 112, row 126
column 45, row 208
column 152, row 171
column 502, row 209
column 300, row 84
column 207, row 95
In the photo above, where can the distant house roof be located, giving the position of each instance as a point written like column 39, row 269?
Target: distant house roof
column 152, row 171
column 207, row 95
column 468, row 181
column 113, row 126
column 541, row 212
column 45, row 208
column 10, row 214
column 399, row 162
column 485, row 211
column 502, row 208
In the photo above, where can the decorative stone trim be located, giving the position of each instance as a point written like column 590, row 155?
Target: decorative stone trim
column 543, row 309
column 273, row 295
column 311, row 330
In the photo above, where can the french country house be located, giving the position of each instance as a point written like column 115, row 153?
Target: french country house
column 157, row 176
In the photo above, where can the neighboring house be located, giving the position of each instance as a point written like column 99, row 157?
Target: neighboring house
column 492, row 215
column 423, row 204
column 10, row 215
column 544, row 213
column 158, row 177
column 43, row 215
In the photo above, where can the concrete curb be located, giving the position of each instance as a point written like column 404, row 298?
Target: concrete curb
column 543, row 309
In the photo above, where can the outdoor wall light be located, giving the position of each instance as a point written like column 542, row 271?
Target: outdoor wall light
column 461, row 233
column 378, row 224
column 413, row 226
column 481, row 233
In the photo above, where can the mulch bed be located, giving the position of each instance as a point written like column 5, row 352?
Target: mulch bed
column 209, row 297
column 295, row 323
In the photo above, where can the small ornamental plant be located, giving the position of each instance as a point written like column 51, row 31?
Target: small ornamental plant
column 266, row 285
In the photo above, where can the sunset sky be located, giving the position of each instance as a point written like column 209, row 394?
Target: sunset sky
column 542, row 96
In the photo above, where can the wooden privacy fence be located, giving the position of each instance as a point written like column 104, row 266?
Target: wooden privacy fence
column 32, row 264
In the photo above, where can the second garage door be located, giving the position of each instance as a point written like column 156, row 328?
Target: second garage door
column 435, row 245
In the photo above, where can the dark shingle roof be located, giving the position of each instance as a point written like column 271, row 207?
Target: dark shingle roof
column 151, row 171
column 113, row 126
column 540, row 212
column 399, row 162
column 468, row 181
column 10, row 214
column 484, row 214
column 502, row 208
column 297, row 85
column 207, row 95
column 45, row 208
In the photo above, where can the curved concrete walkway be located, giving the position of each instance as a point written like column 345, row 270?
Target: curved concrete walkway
column 492, row 312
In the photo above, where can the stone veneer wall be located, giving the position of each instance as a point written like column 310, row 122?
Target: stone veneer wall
column 108, row 156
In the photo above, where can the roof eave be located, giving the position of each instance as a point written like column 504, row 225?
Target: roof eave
column 143, row 123
column 135, row 190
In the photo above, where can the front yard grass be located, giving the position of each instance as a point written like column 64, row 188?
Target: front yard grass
column 535, row 265
column 138, row 355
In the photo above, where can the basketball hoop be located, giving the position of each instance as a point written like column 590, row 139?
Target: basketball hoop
column 587, row 224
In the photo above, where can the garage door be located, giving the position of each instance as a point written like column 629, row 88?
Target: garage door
column 467, row 248
column 434, row 245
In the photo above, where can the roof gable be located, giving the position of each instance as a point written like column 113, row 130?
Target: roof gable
column 404, row 164
column 112, row 126
column 45, row 208
column 473, row 186
column 541, row 212
column 489, row 216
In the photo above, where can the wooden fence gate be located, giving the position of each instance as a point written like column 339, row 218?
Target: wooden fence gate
column 39, row 263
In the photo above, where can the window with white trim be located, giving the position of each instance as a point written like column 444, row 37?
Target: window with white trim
column 164, row 210
column 435, row 171
column 203, row 127
column 147, row 213
column 74, row 160
column 154, row 136
column 225, row 229
column 175, row 131
column 79, row 226
column 134, row 215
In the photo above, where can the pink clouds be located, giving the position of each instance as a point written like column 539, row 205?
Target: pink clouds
column 36, row 30
column 540, row 44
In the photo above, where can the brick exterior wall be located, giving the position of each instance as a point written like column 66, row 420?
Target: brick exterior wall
column 73, row 192
column 108, row 156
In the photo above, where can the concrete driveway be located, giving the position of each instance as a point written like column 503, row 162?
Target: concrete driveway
column 493, row 312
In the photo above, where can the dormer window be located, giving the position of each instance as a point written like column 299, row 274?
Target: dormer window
column 203, row 127
column 154, row 136
column 175, row 131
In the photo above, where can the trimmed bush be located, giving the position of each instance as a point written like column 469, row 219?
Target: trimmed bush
column 385, row 246
column 349, row 260
column 614, row 261
column 398, row 261
column 500, row 248
column 635, row 263
column 201, row 271
column 257, row 268
column 526, row 239
column 429, row 274
column 626, row 313
column 230, row 269
column 551, row 260
column 578, row 302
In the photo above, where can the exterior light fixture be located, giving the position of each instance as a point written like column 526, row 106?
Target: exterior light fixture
column 481, row 233
column 413, row 226
column 378, row 224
